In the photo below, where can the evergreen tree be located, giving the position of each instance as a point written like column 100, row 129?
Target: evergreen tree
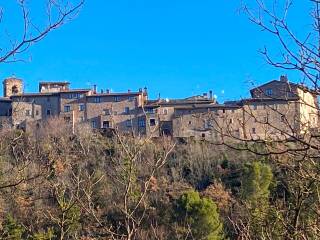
column 200, row 217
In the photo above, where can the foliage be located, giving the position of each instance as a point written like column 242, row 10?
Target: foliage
column 200, row 217
column 11, row 229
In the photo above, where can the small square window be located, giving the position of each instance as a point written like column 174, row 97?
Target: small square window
column 150, row 110
column 28, row 112
column 81, row 107
column 106, row 111
column 67, row 108
column 97, row 99
column 37, row 112
column 67, row 119
column 126, row 110
column 106, row 124
column 152, row 122
column 265, row 119
column 269, row 92
column 253, row 130
column 142, row 122
column 129, row 123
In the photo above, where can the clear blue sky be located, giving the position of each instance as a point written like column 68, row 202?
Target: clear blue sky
column 174, row 47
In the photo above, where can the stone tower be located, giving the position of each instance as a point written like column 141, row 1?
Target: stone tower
column 12, row 86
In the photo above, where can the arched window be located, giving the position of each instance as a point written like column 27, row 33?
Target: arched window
column 14, row 89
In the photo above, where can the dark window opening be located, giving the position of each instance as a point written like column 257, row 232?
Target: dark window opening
column 152, row 122
column 15, row 90
column 67, row 119
column 106, row 124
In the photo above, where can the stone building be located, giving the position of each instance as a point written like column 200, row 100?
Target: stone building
column 276, row 110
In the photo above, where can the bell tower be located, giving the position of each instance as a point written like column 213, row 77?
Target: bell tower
column 12, row 86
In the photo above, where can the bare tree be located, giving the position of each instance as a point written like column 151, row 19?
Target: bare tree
column 57, row 13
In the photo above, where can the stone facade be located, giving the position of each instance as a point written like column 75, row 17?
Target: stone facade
column 276, row 110
column 12, row 86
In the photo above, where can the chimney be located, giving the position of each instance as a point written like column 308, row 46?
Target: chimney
column 210, row 95
column 129, row 91
column 108, row 91
column 101, row 90
column 140, row 90
column 145, row 89
column 283, row 78
column 94, row 88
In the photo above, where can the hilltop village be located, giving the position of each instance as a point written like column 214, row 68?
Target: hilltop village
column 278, row 109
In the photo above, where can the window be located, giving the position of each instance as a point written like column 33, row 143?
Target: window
column 230, row 120
column 81, row 107
column 97, row 99
column 37, row 112
column 48, row 112
column 269, row 92
column 81, row 119
column 282, row 118
column 165, row 111
column 126, row 110
column 203, row 135
column 255, row 107
column 93, row 124
column 128, row 123
column 150, row 110
column 67, row 119
column 15, row 90
column 275, row 106
column 253, row 130
column 67, row 108
column 190, row 122
column 76, row 95
column 223, row 111
column 106, row 124
column 116, row 98
column 131, row 98
column 141, row 122
column 106, row 111
column 152, row 122
column 28, row 113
